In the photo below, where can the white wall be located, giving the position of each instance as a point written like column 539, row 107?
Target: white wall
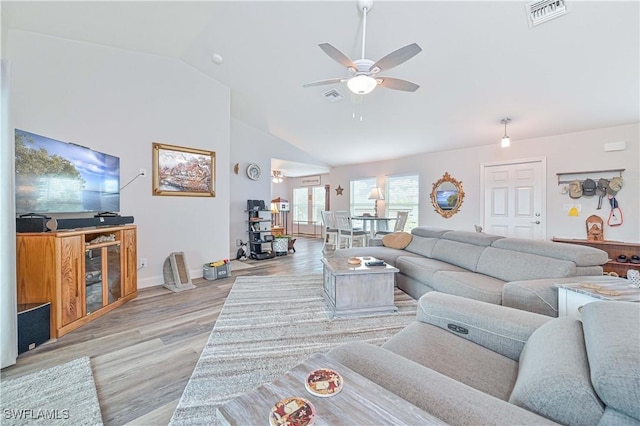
column 8, row 298
column 249, row 145
column 564, row 153
column 120, row 102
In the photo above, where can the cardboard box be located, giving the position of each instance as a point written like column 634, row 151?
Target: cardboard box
column 216, row 272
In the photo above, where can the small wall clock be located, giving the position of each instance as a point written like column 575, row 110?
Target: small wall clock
column 253, row 171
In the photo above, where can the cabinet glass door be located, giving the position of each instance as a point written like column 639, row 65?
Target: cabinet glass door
column 102, row 276
column 93, row 279
column 113, row 281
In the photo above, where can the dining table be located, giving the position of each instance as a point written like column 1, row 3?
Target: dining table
column 370, row 223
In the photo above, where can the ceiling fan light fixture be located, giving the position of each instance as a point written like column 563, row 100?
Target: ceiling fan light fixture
column 277, row 176
column 362, row 84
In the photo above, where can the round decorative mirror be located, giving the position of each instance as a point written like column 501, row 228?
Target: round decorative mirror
column 447, row 196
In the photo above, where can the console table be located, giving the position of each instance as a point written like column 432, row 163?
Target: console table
column 613, row 249
column 84, row 273
column 361, row 401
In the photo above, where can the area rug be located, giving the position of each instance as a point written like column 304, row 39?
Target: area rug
column 236, row 265
column 267, row 326
column 61, row 395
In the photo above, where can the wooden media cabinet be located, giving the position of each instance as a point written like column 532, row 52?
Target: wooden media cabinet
column 84, row 273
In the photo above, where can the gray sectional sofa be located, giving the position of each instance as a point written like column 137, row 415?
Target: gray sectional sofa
column 469, row 363
column 489, row 268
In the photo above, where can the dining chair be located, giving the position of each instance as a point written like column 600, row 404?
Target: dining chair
column 401, row 221
column 346, row 232
column 329, row 229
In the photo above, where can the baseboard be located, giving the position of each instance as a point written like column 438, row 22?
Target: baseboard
column 158, row 280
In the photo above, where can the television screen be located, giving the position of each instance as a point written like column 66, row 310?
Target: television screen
column 60, row 177
column 447, row 200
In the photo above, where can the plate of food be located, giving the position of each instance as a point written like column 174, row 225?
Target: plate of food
column 324, row 382
column 293, row 411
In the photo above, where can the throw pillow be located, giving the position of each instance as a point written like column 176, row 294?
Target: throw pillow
column 397, row 240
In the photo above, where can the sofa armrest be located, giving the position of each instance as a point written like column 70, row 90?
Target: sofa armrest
column 447, row 399
column 498, row 328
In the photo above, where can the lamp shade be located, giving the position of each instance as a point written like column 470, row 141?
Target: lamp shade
column 362, row 84
column 376, row 194
column 506, row 142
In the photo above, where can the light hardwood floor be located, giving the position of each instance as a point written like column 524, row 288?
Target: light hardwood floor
column 143, row 353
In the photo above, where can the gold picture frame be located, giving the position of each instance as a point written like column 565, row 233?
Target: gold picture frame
column 183, row 171
column 447, row 196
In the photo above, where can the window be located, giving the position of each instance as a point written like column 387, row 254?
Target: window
column 359, row 196
column 317, row 199
column 402, row 194
column 300, row 204
column 308, row 203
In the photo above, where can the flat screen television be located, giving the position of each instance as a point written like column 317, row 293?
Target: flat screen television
column 447, row 199
column 60, row 177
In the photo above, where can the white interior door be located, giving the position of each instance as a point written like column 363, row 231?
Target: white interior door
column 514, row 199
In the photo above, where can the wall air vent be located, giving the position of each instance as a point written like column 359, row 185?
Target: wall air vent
column 544, row 10
column 333, row 95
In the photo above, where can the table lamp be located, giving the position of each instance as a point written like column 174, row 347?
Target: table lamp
column 376, row 194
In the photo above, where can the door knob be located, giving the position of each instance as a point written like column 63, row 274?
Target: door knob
column 537, row 222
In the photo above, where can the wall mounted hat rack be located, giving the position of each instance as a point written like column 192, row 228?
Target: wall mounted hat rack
column 586, row 172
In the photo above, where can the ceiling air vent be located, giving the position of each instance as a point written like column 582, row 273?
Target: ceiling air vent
column 545, row 10
column 333, row 95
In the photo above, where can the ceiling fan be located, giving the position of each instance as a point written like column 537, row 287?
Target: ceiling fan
column 364, row 71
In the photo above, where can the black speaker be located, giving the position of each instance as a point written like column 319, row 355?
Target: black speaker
column 34, row 325
column 44, row 224
column 32, row 224
column 88, row 222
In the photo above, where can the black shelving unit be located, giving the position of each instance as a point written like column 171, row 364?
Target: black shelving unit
column 260, row 238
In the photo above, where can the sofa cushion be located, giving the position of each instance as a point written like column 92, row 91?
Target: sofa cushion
column 423, row 268
column 460, row 359
column 511, row 265
column 553, row 380
column 502, row 330
column 460, row 254
column 612, row 337
column 475, row 238
column 580, row 255
column 397, row 240
column 469, row 284
column 422, row 246
column 429, row 232
column 453, row 402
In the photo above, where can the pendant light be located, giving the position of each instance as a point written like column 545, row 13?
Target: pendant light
column 506, row 140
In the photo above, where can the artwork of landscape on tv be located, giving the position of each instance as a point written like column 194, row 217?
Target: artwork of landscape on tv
column 59, row 177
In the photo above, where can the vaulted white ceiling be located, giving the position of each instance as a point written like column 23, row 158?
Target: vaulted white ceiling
column 480, row 62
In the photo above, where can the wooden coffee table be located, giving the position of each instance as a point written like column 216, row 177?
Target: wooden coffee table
column 361, row 401
column 358, row 289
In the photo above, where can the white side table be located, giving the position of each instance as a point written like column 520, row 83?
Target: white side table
column 572, row 297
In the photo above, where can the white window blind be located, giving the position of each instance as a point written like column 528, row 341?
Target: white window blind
column 300, row 204
column 402, row 193
column 359, row 196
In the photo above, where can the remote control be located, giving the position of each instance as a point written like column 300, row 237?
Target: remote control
column 375, row 263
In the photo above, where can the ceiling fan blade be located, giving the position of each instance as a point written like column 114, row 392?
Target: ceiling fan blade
column 397, row 84
column 337, row 55
column 322, row 82
column 397, row 57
